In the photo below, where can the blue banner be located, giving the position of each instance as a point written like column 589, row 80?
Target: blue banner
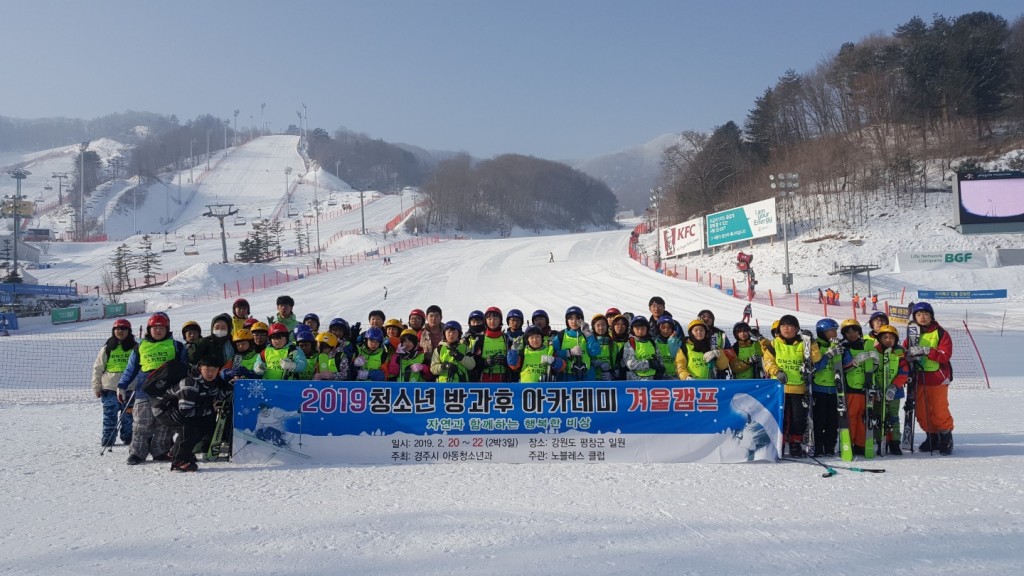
column 959, row 294
column 38, row 289
column 633, row 421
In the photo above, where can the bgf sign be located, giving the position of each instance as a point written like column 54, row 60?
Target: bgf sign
column 958, row 256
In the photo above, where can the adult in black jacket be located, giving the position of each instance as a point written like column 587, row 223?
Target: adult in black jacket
column 218, row 343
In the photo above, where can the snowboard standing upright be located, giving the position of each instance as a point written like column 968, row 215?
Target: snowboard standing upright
column 913, row 337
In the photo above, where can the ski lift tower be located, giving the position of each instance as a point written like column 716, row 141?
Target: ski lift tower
column 220, row 212
column 852, row 270
column 13, row 207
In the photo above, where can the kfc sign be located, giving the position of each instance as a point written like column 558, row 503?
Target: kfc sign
column 682, row 238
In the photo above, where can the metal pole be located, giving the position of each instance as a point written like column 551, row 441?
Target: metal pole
column 208, row 149
column 81, row 196
column 785, row 238
column 223, row 240
column 362, row 211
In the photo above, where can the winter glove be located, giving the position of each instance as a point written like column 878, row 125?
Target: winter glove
column 546, row 359
column 890, row 393
column 417, row 367
column 587, row 332
column 576, row 351
column 288, row 364
column 807, row 334
column 517, row 344
column 603, row 366
column 832, row 351
column 362, row 374
column 456, row 355
column 447, row 366
column 860, row 359
column 755, row 335
column 753, row 360
column 710, row 355
column 513, row 357
column 782, row 377
column 360, row 361
column 917, row 351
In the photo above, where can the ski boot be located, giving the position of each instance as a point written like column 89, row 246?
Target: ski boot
column 894, row 448
column 796, row 450
column 930, row 444
column 945, row 442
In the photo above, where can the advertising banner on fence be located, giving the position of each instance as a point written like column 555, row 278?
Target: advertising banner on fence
column 38, row 289
column 743, row 223
column 913, row 261
column 396, row 423
column 682, row 238
column 960, row 294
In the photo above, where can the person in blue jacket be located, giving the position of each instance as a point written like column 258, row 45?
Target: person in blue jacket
column 149, row 437
column 577, row 346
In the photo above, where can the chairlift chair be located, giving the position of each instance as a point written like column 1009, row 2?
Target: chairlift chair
column 308, row 214
column 292, row 211
column 169, row 247
column 191, row 251
column 240, row 221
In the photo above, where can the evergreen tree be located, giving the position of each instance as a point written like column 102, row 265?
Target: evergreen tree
column 149, row 261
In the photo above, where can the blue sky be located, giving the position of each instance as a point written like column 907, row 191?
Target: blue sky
column 555, row 79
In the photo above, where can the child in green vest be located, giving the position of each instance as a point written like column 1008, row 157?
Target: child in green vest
column 532, row 359
column 409, row 363
column 106, row 372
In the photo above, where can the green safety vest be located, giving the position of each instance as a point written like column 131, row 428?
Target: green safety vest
column 272, row 358
column 405, row 373
column 152, row 355
column 445, row 355
column 248, row 361
column 931, row 340
column 695, row 363
column 744, row 353
column 826, row 377
column 790, row 359
column 117, row 360
column 533, row 369
column 893, row 369
column 856, row 376
column 663, row 352
column 568, row 342
column 494, row 346
column 644, row 350
column 311, row 367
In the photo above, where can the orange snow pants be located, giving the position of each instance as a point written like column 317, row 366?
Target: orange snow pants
column 855, row 409
column 932, row 408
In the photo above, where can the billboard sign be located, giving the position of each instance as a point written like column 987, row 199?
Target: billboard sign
column 914, row 261
column 743, row 223
column 682, row 238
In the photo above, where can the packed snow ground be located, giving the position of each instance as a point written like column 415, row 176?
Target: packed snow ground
column 71, row 510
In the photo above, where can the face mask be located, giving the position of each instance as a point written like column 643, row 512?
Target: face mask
column 220, row 333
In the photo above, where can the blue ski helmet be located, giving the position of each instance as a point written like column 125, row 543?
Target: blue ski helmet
column 375, row 334
column 476, row 315
column 515, row 313
column 305, row 336
column 338, row 322
column 876, row 315
column 824, row 325
column 453, row 325
column 640, row 321
column 539, row 314
column 574, row 311
column 311, row 316
column 923, row 307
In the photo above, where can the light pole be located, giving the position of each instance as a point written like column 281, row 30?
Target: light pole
column 316, row 206
column 81, row 195
column 287, row 171
column 234, row 136
column 263, row 127
column 362, row 210
column 305, row 121
column 191, row 163
column 787, row 184
column 226, row 122
column 208, row 150
column 656, row 194
column 15, row 212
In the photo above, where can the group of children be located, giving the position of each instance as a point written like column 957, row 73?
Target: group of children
column 497, row 347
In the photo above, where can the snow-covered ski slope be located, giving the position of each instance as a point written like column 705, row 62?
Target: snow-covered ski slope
column 72, row 511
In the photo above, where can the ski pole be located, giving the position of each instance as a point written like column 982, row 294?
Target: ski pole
column 117, row 429
column 829, row 471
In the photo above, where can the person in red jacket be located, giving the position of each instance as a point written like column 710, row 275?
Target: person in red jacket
column 930, row 364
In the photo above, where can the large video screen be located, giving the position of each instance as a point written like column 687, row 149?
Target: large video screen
column 991, row 198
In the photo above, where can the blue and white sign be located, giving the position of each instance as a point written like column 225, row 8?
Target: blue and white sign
column 38, row 289
column 743, row 223
column 959, row 294
column 397, row 423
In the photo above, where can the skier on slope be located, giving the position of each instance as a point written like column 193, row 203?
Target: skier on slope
column 270, row 425
column 890, row 379
column 931, row 358
column 787, row 365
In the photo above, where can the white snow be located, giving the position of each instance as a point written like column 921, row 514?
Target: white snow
column 69, row 510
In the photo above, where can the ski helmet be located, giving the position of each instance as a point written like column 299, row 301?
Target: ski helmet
column 159, row 319
column 515, row 313
column 476, row 315
column 531, row 329
column 241, row 334
column 249, row 323
column 191, row 325
column 539, row 314
column 338, row 322
column 122, row 323
column 453, row 325
column 574, row 311
column 240, row 302
column 612, row 312
column 261, row 327
column 311, row 316
column 394, row 323
column 923, row 307
column 411, row 334
column 694, row 324
column 597, row 318
column 305, row 336
column 876, row 315
column 418, row 312
column 277, row 329
column 375, row 334
column 327, row 338
column 775, row 329
column 850, row 323
column 640, row 321
column 740, row 327
column 824, row 325
column 666, row 319
column 887, row 329
column 493, row 311
column 299, row 329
